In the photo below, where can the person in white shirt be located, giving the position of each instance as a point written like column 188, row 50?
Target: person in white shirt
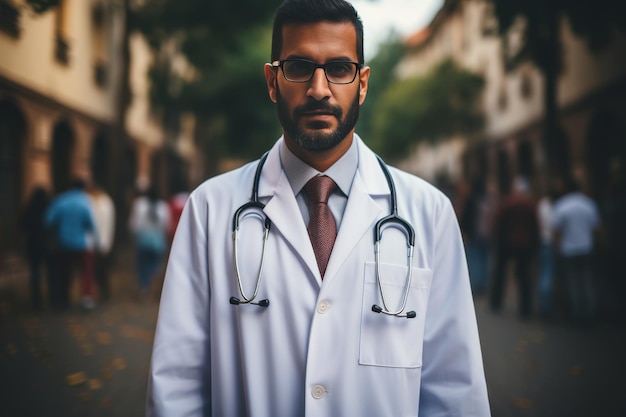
column 149, row 222
column 104, row 217
column 575, row 223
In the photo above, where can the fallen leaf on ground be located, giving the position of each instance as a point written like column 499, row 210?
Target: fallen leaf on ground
column 94, row 383
column 103, row 338
column 522, row 403
column 84, row 396
column 76, row 379
column 119, row 364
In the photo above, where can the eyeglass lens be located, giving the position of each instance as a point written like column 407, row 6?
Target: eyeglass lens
column 336, row 72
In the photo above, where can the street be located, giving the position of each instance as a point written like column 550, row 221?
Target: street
column 95, row 363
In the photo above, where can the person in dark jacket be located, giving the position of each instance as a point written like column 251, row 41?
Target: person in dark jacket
column 516, row 230
column 34, row 231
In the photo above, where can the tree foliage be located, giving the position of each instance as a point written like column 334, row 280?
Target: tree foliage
column 226, row 43
column 42, row 6
column 593, row 20
column 382, row 75
column 437, row 105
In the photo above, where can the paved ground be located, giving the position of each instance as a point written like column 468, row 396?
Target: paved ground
column 95, row 364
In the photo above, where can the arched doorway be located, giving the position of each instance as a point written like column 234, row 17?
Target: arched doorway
column 503, row 170
column 12, row 139
column 525, row 160
column 62, row 151
column 100, row 154
column 606, row 149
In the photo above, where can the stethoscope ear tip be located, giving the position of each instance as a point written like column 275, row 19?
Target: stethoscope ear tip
column 234, row 301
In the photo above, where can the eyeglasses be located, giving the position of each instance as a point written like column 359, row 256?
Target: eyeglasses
column 302, row 70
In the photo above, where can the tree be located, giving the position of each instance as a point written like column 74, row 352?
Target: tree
column 440, row 104
column 42, row 6
column 390, row 53
column 539, row 20
column 226, row 44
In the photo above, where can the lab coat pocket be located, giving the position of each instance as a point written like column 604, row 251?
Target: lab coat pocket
column 391, row 341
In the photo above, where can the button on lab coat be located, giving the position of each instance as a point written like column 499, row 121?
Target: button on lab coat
column 318, row 349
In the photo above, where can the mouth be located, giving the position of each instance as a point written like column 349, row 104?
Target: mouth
column 318, row 114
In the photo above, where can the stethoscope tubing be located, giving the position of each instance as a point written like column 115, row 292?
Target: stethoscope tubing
column 393, row 218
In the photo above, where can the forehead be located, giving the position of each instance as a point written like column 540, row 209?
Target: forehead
column 319, row 41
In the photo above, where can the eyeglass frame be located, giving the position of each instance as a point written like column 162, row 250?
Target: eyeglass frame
column 279, row 64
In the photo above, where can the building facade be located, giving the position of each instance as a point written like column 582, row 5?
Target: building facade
column 59, row 93
column 591, row 101
column 74, row 102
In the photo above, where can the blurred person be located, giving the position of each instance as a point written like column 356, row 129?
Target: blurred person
column 575, row 224
column 516, row 233
column 546, row 275
column 176, row 204
column 149, row 223
column 317, row 336
column 32, row 224
column 70, row 217
column 614, row 214
column 104, row 216
column 475, row 220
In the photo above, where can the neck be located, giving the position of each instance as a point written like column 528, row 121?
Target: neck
column 321, row 160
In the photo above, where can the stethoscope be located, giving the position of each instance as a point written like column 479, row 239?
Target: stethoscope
column 393, row 219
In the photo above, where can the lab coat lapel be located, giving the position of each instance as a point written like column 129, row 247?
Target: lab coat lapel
column 282, row 209
column 362, row 209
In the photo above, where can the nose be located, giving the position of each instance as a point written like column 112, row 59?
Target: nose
column 319, row 86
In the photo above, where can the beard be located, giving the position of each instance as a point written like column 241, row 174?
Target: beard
column 312, row 140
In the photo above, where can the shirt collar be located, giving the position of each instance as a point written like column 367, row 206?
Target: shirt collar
column 299, row 172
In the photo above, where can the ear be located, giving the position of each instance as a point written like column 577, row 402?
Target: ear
column 270, row 79
column 364, row 76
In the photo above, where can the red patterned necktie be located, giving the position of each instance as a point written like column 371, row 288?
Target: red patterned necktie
column 322, row 228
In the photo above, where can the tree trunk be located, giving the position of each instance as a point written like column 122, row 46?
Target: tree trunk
column 555, row 144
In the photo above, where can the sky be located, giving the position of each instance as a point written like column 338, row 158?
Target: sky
column 381, row 16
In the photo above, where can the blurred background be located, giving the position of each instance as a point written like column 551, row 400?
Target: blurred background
column 484, row 98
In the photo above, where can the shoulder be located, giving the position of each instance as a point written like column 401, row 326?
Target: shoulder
column 223, row 186
column 417, row 188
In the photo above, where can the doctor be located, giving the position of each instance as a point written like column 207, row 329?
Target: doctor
column 309, row 342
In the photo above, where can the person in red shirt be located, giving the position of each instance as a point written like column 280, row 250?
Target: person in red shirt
column 176, row 204
column 516, row 233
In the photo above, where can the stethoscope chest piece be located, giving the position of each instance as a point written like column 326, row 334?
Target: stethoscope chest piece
column 391, row 220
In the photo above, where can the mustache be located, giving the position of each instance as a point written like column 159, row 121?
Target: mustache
column 316, row 106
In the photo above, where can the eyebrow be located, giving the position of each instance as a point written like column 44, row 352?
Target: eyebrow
column 334, row 59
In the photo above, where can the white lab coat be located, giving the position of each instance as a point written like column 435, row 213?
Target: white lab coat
column 318, row 349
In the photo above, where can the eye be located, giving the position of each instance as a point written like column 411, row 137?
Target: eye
column 298, row 68
column 339, row 69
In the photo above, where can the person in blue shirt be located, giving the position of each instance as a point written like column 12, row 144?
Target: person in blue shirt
column 70, row 216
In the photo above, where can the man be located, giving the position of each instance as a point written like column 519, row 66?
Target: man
column 313, row 345
column 516, row 230
column 104, row 216
column 71, row 217
column 575, row 223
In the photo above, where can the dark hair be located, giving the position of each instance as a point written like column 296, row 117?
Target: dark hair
column 571, row 184
column 313, row 11
column 78, row 183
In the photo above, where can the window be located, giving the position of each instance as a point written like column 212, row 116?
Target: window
column 62, row 45
column 526, row 85
column 9, row 19
column 99, row 44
